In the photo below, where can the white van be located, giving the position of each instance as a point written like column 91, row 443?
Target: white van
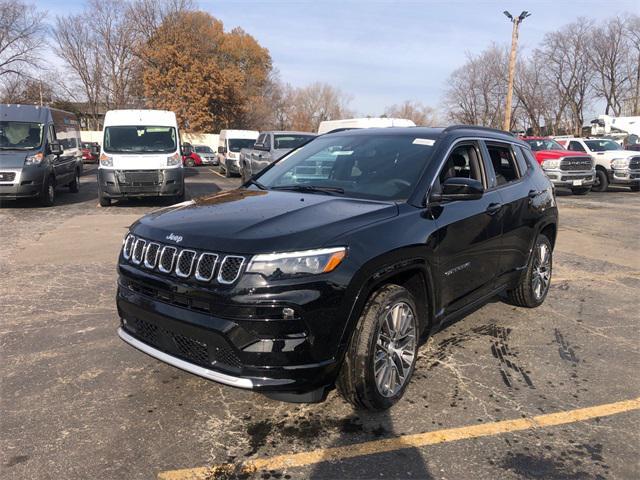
column 375, row 122
column 230, row 143
column 141, row 156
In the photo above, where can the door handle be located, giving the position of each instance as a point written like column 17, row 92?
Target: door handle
column 534, row 193
column 494, row 208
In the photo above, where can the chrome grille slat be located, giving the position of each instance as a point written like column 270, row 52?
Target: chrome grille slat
column 576, row 163
column 166, row 259
column 151, row 257
column 230, row 269
column 128, row 246
column 206, row 266
column 138, row 251
column 184, row 265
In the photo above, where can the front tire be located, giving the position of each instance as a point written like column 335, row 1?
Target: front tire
column 534, row 284
column 635, row 188
column 74, row 186
column 190, row 162
column 581, row 190
column 227, row 173
column 48, row 194
column 602, row 181
column 382, row 353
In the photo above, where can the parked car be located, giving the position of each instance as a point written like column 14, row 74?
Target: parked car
column 200, row 155
column 289, row 286
column 614, row 164
column 39, row 151
column 564, row 169
column 269, row 147
column 191, row 160
column 141, row 156
column 230, row 142
column 90, row 152
column 328, row 126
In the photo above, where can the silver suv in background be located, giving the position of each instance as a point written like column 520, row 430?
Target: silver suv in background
column 269, row 147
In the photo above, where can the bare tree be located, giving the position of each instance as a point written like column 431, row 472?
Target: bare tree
column 477, row 90
column 316, row 103
column 412, row 110
column 564, row 56
column 75, row 43
column 608, row 55
column 21, row 35
column 632, row 32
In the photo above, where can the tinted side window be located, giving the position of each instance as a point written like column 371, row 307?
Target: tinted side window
column 576, row 147
column 523, row 164
column 504, row 162
column 267, row 142
column 464, row 161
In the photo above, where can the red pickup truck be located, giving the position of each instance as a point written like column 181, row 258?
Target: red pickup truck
column 563, row 167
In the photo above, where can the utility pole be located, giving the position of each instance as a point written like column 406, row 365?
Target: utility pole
column 512, row 64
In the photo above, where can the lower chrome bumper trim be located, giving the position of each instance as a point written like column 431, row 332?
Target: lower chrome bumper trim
column 186, row 366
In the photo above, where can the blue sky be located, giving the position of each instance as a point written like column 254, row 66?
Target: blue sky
column 384, row 52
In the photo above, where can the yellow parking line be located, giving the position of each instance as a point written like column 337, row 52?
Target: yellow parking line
column 302, row 459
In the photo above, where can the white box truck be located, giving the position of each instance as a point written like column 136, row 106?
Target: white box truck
column 141, row 156
column 230, row 142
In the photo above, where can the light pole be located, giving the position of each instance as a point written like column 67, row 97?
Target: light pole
column 512, row 64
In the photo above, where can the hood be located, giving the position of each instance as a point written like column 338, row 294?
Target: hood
column 261, row 221
column 611, row 154
column 542, row 155
column 13, row 158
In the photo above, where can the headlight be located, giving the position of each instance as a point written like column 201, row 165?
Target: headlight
column 309, row 262
column 231, row 156
column 551, row 164
column 106, row 160
column 620, row 163
column 34, row 159
column 173, row 160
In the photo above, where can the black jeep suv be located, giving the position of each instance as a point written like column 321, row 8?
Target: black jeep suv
column 332, row 265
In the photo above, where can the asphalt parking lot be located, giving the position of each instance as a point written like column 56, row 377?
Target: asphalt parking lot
column 78, row 403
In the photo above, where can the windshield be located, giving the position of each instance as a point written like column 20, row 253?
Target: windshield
column 290, row 141
column 379, row 167
column 20, row 135
column 203, row 150
column 544, row 144
column 139, row 139
column 236, row 144
column 602, row 145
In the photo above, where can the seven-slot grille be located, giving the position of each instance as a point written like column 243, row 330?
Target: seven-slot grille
column 634, row 163
column 184, row 263
column 576, row 163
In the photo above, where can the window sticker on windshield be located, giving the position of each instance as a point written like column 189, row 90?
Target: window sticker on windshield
column 424, row 141
column 342, row 152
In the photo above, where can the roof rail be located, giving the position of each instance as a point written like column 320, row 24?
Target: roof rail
column 476, row 127
column 343, row 129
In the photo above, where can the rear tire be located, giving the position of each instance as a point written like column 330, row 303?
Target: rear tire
column 48, row 195
column 602, row 181
column 384, row 342
column 581, row 190
column 191, row 162
column 533, row 285
column 74, row 186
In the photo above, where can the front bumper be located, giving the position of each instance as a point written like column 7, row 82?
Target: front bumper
column 209, row 160
column 232, row 343
column 232, row 165
column 153, row 183
column 624, row 176
column 21, row 182
column 571, row 179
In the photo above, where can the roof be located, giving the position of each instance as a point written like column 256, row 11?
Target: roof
column 140, row 117
column 290, row 132
column 25, row 113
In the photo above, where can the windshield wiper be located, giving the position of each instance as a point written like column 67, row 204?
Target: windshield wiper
column 310, row 188
column 17, row 148
column 256, row 183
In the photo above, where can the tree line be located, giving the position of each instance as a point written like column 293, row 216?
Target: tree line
column 168, row 54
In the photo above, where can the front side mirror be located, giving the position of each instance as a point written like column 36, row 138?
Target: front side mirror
column 222, row 150
column 55, row 148
column 186, row 149
column 459, row 188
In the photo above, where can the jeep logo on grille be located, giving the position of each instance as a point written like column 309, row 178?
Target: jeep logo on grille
column 173, row 237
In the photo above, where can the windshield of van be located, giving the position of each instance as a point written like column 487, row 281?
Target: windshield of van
column 236, row 144
column 290, row 141
column 203, row 149
column 139, row 139
column 20, row 135
column 602, row 145
column 378, row 167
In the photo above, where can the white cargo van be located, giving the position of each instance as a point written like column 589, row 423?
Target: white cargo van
column 230, row 143
column 376, row 122
column 141, row 156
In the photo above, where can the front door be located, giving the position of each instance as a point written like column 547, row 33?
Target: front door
column 469, row 233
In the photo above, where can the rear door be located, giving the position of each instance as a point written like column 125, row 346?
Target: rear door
column 511, row 174
column 469, row 232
